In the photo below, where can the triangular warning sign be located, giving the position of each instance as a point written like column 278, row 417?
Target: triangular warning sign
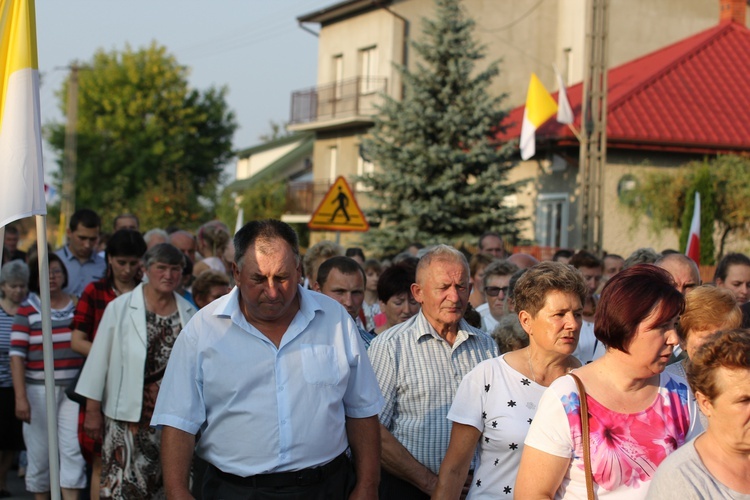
column 339, row 210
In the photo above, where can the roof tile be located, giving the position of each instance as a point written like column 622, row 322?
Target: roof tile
column 693, row 95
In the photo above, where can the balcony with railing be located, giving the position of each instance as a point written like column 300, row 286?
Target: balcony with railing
column 345, row 103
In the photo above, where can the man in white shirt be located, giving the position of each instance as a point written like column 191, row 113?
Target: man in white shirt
column 590, row 266
column 496, row 285
column 277, row 381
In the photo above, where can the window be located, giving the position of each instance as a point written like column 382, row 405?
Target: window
column 553, row 211
column 368, row 69
column 338, row 76
column 333, row 159
column 364, row 169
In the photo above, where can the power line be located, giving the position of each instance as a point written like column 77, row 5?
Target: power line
column 248, row 34
column 515, row 21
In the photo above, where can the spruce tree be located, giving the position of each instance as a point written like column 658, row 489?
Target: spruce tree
column 440, row 176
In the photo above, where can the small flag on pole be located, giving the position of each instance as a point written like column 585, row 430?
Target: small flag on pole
column 21, row 170
column 540, row 107
column 564, row 111
column 693, row 247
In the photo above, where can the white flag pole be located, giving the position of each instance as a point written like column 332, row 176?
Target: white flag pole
column 2, row 243
column 49, row 356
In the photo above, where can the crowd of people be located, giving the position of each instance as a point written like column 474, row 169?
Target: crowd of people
column 222, row 366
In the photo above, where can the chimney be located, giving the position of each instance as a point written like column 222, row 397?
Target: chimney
column 732, row 10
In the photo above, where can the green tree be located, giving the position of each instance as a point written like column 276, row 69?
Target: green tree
column 724, row 183
column 441, row 176
column 139, row 122
column 265, row 200
column 278, row 131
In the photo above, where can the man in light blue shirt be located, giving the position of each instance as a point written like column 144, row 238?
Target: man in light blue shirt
column 81, row 260
column 276, row 380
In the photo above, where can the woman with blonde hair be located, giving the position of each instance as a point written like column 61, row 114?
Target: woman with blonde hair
column 212, row 239
column 708, row 309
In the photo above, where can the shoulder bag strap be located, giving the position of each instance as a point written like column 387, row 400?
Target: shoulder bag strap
column 584, row 408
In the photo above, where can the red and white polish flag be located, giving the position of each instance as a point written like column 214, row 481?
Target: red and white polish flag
column 693, row 248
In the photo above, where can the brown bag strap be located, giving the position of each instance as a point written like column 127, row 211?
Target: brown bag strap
column 585, row 437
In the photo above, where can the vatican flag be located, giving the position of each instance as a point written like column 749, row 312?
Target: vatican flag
column 540, row 107
column 21, row 169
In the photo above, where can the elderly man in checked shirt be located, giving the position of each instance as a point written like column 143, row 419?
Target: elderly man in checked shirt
column 419, row 365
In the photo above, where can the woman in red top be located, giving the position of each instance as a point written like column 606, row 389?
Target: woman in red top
column 124, row 252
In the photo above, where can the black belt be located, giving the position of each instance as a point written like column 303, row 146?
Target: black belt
column 302, row 477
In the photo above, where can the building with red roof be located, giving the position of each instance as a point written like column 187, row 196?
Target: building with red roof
column 683, row 102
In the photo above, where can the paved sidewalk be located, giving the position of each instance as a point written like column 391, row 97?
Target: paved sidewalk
column 17, row 486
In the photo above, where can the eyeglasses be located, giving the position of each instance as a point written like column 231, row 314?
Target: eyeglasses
column 493, row 291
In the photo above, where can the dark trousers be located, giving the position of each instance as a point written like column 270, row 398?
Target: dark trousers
column 337, row 485
column 394, row 488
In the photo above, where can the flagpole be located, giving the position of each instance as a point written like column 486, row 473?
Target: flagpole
column 49, row 357
column 575, row 132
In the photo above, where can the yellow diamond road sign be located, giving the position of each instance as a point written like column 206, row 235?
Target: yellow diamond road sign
column 339, row 210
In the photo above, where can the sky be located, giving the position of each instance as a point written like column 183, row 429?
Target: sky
column 254, row 47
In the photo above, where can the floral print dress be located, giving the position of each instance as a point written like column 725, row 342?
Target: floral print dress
column 626, row 449
column 130, row 452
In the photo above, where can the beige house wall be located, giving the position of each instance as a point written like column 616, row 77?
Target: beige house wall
column 378, row 28
column 528, row 36
column 530, row 40
column 347, row 152
column 622, row 233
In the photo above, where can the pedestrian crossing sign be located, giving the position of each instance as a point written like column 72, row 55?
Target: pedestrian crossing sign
column 338, row 211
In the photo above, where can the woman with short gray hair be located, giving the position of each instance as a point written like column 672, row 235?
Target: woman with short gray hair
column 14, row 280
column 123, row 373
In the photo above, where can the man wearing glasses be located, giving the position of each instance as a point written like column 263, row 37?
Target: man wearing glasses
column 496, row 280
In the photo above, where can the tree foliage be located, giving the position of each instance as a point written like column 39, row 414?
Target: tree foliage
column 277, row 131
column 441, row 177
column 141, row 127
column 724, row 185
column 701, row 183
column 265, row 200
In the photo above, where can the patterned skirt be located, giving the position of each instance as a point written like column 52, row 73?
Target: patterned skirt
column 130, row 452
column 130, row 461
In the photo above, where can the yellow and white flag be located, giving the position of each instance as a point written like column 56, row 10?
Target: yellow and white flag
column 21, row 169
column 540, row 107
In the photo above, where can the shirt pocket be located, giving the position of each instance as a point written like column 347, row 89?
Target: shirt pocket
column 319, row 364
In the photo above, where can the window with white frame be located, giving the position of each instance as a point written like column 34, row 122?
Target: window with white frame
column 338, row 76
column 368, row 69
column 552, row 216
column 333, row 160
column 365, row 168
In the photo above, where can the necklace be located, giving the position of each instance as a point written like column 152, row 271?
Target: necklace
column 531, row 368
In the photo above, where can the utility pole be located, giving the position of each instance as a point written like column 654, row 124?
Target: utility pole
column 68, row 192
column 593, row 151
